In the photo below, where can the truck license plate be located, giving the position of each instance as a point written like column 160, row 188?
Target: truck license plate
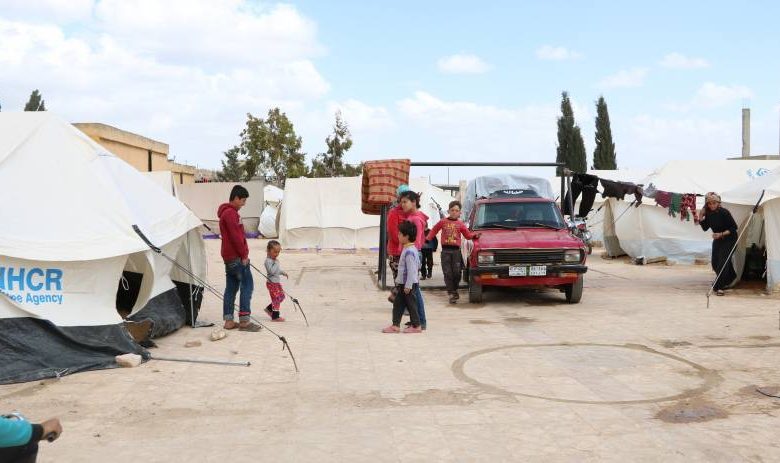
column 524, row 270
column 518, row 270
column 537, row 270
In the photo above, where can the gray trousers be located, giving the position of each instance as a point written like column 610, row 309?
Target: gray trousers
column 451, row 266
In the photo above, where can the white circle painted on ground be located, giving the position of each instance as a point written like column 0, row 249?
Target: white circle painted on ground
column 585, row 373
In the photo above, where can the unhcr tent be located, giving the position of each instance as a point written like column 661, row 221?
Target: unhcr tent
column 649, row 231
column 163, row 179
column 764, row 228
column 324, row 213
column 69, row 257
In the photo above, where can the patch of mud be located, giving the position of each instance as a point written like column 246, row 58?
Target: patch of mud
column 760, row 338
column 715, row 338
column 691, row 411
column 481, row 322
column 670, row 344
column 519, row 320
column 764, row 392
column 428, row 397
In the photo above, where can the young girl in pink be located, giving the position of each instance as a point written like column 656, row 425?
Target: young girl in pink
column 274, row 283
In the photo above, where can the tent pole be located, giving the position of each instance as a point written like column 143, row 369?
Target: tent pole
column 383, row 248
column 189, row 264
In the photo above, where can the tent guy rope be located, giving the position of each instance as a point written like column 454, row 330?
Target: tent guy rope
column 293, row 299
column 205, row 284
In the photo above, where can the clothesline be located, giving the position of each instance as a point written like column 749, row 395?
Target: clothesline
column 683, row 204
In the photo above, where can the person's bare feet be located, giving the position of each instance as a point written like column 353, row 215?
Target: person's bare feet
column 230, row 325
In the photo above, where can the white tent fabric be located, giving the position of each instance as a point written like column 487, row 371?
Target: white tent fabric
column 648, row 230
column 74, row 210
column 164, row 179
column 324, row 213
column 269, row 225
column 204, row 200
column 765, row 226
column 64, row 246
column 269, row 218
column 272, row 194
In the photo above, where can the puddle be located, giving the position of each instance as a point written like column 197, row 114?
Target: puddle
column 669, row 344
column 519, row 320
column 481, row 322
column 760, row 338
column 691, row 411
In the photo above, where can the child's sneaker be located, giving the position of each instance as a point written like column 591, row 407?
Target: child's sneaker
column 278, row 319
column 269, row 311
column 412, row 329
column 392, row 329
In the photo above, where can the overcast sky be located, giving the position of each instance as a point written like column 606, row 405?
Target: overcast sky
column 428, row 80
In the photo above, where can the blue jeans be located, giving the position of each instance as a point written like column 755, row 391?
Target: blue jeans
column 237, row 277
column 420, row 306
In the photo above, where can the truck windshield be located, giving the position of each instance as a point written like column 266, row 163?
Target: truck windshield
column 517, row 215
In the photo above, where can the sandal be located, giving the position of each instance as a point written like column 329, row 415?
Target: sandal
column 719, row 292
column 230, row 325
column 251, row 327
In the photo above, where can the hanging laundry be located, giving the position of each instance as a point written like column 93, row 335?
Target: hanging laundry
column 619, row 190
column 585, row 184
column 650, row 191
column 663, row 198
column 688, row 206
column 675, row 204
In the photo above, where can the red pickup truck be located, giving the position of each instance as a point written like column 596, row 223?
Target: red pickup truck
column 524, row 242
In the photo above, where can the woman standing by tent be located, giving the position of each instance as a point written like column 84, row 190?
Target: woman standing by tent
column 724, row 237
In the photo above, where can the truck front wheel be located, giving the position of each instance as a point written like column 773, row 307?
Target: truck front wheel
column 574, row 290
column 475, row 291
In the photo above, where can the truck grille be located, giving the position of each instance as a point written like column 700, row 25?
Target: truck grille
column 528, row 256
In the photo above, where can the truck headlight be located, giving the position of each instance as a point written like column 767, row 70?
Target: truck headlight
column 485, row 258
column 572, row 255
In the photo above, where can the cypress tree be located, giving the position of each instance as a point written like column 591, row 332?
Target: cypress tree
column 571, row 147
column 604, row 156
column 35, row 103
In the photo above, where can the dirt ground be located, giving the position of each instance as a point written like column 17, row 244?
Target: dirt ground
column 640, row 370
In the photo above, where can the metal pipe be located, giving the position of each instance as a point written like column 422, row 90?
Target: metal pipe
column 383, row 248
column 209, row 362
column 487, row 164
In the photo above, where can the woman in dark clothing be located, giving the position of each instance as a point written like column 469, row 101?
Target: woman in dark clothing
column 724, row 237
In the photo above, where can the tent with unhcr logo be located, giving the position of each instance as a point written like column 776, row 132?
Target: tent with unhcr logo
column 71, row 266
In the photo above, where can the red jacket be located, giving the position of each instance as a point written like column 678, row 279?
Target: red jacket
column 420, row 220
column 394, row 218
column 234, row 245
column 451, row 230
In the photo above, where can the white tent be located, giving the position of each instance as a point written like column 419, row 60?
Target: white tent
column 649, row 231
column 204, row 200
column 269, row 218
column 324, row 213
column 764, row 228
column 66, row 242
column 164, row 179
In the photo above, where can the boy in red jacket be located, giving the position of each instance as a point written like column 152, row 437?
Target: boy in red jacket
column 451, row 230
column 235, row 253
